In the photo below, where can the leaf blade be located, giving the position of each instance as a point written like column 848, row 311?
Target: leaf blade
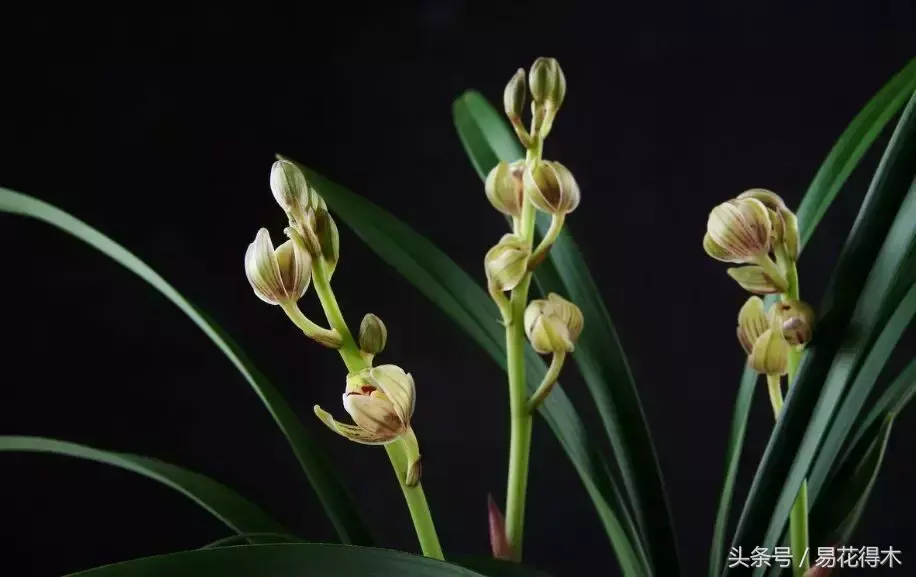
column 315, row 464
column 236, row 512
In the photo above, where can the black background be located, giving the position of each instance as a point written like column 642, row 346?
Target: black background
column 159, row 129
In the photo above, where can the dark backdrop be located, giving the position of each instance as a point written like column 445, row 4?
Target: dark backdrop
column 159, row 129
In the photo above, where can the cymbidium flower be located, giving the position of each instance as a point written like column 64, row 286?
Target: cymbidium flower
column 380, row 401
column 551, row 187
column 767, row 349
column 547, row 82
column 291, row 190
column 277, row 276
column 796, row 318
column 504, row 187
column 553, row 324
column 507, row 263
column 785, row 223
column 738, row 231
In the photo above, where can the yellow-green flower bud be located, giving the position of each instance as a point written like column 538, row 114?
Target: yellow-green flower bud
column 785, row 228
column 738, row 231
column 795, row 318
column 277, row 276
column 770, row 354
column 551, row 187
column 514, row 96
column 507, row 263
column 381, row 406
column 754, row 279
column 373, row 335
column 552, row 325
column 752, row 322
column 547, row 82
column 504, row 187
column 291, row 190
column 327, row 236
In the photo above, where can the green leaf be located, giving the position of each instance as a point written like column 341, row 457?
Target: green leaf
column 844, row 157
column 460, row 297
column 850, row 311
column 315, row 463
column 600, row 357
column 286, row 560
column 253, row 538
column 851, row 147
column 835, row 516
column 497, row 568
column 867, row 375
column 236, row 512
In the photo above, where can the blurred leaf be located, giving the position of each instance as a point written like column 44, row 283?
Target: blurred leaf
column 498, row 568
column 334, row 498
column 842, row 160
column 286, row 560
column 849, row 313
column 836, row 514
column 448, row 286
column 225, row 504
column 253, row 538
column 600, row 357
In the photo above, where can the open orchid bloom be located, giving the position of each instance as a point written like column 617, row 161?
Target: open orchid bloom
column 380, row 401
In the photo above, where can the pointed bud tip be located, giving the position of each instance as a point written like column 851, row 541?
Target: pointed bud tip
column 499, row 541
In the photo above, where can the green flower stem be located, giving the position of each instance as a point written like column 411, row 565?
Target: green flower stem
column 556, row 225
column 310, row 328
column 550, row 379
column 521, row 419
column 774, row 387
column 798, row 518
column 349, row 352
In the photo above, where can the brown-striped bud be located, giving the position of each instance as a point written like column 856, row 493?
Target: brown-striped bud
column 738, row 231
column 504, row 187
column 752, row 322
column 785, row 223
column 550, row 187
column 553, row 324
column 277, row 276
column 547, row 82
column 754, row 279
column 796, row 318
column 514, row 96
column 506, row 263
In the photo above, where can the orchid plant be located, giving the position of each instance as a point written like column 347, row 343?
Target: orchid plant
column 534, row 300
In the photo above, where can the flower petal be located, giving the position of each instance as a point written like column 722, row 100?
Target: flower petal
column 375, row 414
column 262, row 269
column 398, row 386
column 754, row 280
column 752, row 322
column 355, row 434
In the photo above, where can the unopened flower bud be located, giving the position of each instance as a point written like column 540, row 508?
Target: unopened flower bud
column 547, row 82
column 551, row 187
column 785, row 228
column 277, row 276
column 553, row 324
column 504, row 187
column 372, row 334
column 291, row 190
column 795, row 318
column 514, row 96
column 752, row 322
column 738, row 231
column 770, row 354
column 499, row 541
column 754, row 279
column 327, row 235
column 507, row 263
column 380, row 401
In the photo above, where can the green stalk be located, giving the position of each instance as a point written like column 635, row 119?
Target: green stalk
column 798, row 517
column 349, row 352
column 521, row 418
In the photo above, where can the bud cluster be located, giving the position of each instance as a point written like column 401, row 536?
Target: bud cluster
column 518, row 190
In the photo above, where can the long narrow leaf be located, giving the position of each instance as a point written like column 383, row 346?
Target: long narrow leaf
column 860, row 390
column 235, row 511
column 456, row 293
column 316, row 465
column 851, row 147
column 796, row 438
column 844, row 157
column 602, row 362
column 283, row 560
